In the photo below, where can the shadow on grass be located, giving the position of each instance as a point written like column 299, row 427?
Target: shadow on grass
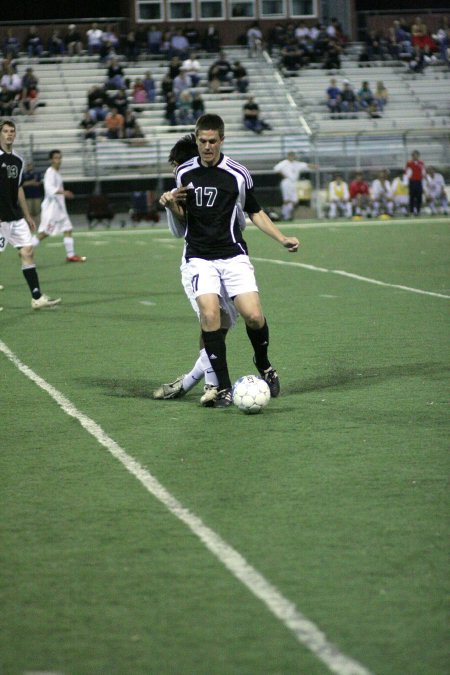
column 363, row 377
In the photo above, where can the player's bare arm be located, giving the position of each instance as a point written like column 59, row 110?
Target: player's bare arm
column 265, row 224
column 24, row 206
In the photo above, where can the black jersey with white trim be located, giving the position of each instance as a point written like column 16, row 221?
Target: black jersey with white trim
column 215, row 199
column 11, row 178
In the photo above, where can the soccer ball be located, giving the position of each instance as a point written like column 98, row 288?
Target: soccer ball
column 251, row 394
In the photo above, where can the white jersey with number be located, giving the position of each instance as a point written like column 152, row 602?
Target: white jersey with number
column 54, row 216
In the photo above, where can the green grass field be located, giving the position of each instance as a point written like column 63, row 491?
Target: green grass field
column 336, row 494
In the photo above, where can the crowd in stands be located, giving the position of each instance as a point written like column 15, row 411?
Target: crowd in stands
column 384, row 198
column 17, row 93
column 343, row 99
column 410, row 42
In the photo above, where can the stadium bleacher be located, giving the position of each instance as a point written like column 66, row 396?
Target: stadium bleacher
column 294, row 107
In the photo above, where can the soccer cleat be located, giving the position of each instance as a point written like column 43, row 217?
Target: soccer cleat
column 272, row 379
column 209, row 395
column 224, row 398
column 44, row 301
column 76, row 258
column 171, row 390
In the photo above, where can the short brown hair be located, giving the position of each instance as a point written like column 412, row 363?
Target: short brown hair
column 7, row 123
column 212, row 122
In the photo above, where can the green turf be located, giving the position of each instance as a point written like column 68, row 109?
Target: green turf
column 336, row 493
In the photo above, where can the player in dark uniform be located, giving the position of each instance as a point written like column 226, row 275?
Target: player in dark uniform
column 16, row 223
column 213, row 188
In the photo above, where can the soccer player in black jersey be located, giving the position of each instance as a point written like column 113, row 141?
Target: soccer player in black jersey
column 213, row 188
column 16, row 223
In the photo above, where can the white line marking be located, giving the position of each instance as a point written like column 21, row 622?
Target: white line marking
column 305, row 631
column 342, row 273
column 147, row 302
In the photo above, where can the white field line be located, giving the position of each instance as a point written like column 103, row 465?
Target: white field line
column 305, row 631
column 342, row 273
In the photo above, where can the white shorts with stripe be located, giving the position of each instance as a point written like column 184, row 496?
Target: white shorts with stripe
column 226, row 278
column 16, row 233
column 51, row 226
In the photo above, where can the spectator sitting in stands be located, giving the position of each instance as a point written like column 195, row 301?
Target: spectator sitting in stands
column 184, row 107
column 429, row 58
column 360, row 196
column 381, row 96
column 110, row 37
column 28, row 100
column 251, row 117
column 150, row 86
column 402, row 39
column 8, row 101
column 11, row 45
column 417, row 63
column 88, row 125
column 442, row 40
column 223, row 68
column 193, row 37
column 94, row 37
column 419, row 34
column 56, row 46
column 166, row 86
column 33, row 43
column 374, row 46
column 131, row 47
column 154, row 38
column 213, row 79
column 114, row 123
column 211, row 40
column 301, row 31
column 332, row 60
column 11, row 80
column 132, row 129
column 174, row 66
column 339, row 197
column 254, row 40
column 198, row 106
column 365, row 96
column 120, row 101
column 97, row 101
column 74, row 44
column 291, row 56
column 115, row 77
column 276, row 38
column 170, row 112
column 179, row 45
column 349, row 101
column 192, row 67
column 181, row 83
column 333, row 97
column 240, row 77
column 139, row 94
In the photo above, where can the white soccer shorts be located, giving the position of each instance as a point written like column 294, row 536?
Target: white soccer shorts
column 53, row 227
column 289, row 190
column 226, row 304
column 234, row 275
column 16, row 233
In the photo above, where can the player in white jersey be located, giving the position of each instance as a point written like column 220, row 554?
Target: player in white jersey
column 339, row 196
column 54, row 217
column 381, row 194
column 290, row 170
column 435, row 195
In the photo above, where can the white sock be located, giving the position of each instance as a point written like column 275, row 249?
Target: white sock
column 35, row 241
column 69, row 245
column 210, row 376
column 194, row 376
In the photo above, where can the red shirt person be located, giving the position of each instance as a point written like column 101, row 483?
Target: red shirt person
column 416, row 172
column 359, row 195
